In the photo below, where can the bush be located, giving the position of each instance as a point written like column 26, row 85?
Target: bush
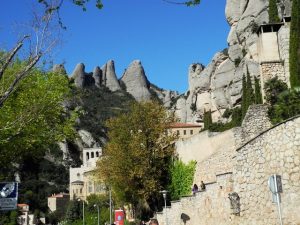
column 286, row 106
column 182, row 176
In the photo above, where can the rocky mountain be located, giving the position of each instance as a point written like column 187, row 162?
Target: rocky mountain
column 134, row 81
column 218, row 86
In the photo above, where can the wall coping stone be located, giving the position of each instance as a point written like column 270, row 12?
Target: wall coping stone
column 265, row 131
column 223, row 174
column 271, row 61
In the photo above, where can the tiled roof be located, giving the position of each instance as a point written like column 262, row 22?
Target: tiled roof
column 22, row 204
column 58, row 195
column 184, row 125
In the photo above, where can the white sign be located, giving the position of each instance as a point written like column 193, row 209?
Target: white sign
column 8, row 196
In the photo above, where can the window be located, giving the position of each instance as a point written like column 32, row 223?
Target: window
column 92, row 155
column 97, row 154
column 184, row 132
column 80, row 190
column 191, row 132
column 87, row 156
column 178, row 132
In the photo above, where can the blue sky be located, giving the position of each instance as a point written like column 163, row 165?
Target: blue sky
column 166, row 38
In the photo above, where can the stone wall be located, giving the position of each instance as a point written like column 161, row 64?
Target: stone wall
column 256, row 121
column 203, row 145
column 207, row 207
column 276, row 151
column 273, row 69
column 273, row 150
column 284, row 45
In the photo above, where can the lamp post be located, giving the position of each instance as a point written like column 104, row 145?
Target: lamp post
column 164, row 193
column 98, row 211
column 110, row 206
column 83, row 223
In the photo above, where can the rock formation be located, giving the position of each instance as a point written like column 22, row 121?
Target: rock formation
column 136, row 82
column 218, row 86
column 59, row 68
column 79, row 75
column 110, row 79
column 97, row 75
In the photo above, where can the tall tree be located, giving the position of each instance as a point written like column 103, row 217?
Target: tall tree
column 135, row 160
column 295, row 45
column 250, row 91
column 38, row 41
column 33, row 117
column 207, row 120
column 257, row 90
column 273, row 12
column 244, row 96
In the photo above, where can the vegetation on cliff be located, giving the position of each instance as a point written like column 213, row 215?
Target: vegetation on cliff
column 273, row 12
column 295, row 45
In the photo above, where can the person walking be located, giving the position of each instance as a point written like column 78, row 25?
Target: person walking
column 202, row 185
column 195, row 189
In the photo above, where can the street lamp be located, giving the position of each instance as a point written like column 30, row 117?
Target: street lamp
column 82, row 211
column 98, row 213
column 164, row 193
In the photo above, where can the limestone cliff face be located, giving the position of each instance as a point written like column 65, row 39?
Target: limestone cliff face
column 136, row 82
column 218, row 86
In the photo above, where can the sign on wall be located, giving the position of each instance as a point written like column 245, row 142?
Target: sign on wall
column 8, row 196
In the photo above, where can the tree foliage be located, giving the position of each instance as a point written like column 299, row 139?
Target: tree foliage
column 295, row 45
column 207, row 119
column 135, row 160
column 182, row 176
column 33, row 117
column 257, row 90
column 273, row 88
column 273, row 12
column 284, row 103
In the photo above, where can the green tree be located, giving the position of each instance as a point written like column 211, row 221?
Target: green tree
column 273, row 88
column 250, row 92
column 244, row 96
column 33, row 117
column 286, row 106
column 295, row 45
column 182, row 176
column 257, row 90
column 139, row 148
column 273, row 12
column 207, row 119
column 74, row 211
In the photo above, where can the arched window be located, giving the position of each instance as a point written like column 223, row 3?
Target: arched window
column 97, row 154
column 87, row 156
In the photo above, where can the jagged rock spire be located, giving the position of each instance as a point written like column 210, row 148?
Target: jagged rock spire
column 79, row 75
column 109, row 76
column 97, row 75
column 136, row 81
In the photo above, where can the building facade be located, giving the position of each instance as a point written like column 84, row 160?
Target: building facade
column 82, row 180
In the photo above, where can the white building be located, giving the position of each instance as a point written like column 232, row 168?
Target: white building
column 82, row 180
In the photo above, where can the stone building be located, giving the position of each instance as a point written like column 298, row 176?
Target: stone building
column 236, row 178
column 185, row 130
column 273, row 51
column 82, row 180
column 58, row 202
